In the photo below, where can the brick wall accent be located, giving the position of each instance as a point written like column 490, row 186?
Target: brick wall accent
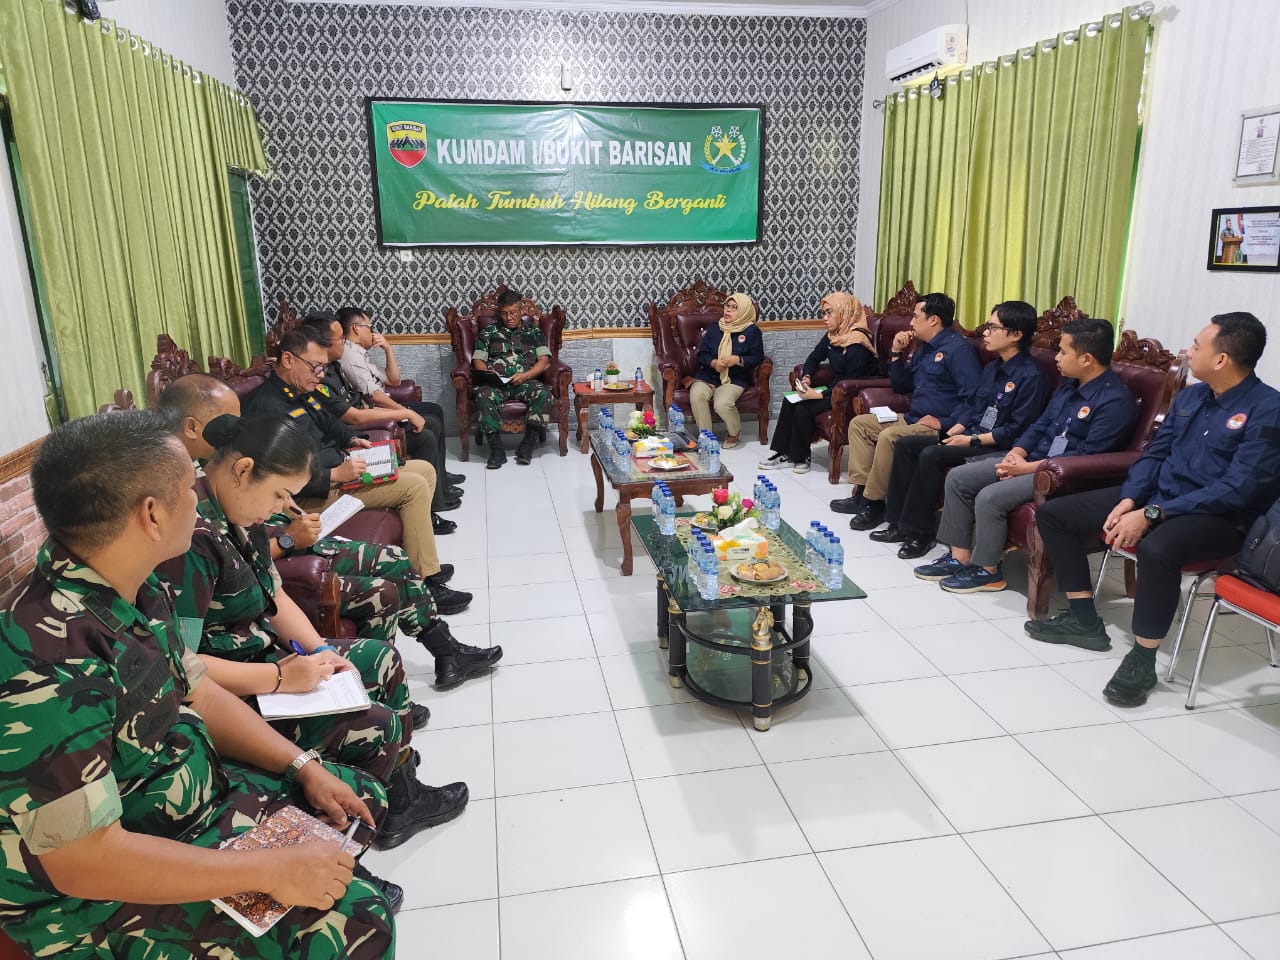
column 21, row 531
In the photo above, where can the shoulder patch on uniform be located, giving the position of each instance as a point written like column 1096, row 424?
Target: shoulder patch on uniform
column 297, row 412
column 323, row 388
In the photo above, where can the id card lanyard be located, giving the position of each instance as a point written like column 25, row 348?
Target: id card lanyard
column 1059, row 445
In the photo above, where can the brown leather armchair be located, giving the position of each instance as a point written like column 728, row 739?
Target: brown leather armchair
column 677, row 328
column 463, row 331
column 832, row 427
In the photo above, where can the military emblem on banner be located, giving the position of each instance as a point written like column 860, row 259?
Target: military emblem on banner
column 407, row 141
column 725, row 152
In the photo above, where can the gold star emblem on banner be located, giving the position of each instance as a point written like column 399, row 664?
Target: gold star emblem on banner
column 724, row 148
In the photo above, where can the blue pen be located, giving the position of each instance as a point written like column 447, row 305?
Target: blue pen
column 297, row 648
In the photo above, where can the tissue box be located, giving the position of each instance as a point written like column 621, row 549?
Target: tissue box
column 652, row 446
column 748, row 546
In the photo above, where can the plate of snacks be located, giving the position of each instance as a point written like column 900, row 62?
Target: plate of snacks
column 668, row 463
column 758, row 571
column 617, row 386
column 705, row 521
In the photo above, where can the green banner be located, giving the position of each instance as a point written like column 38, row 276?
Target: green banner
column 476, row 173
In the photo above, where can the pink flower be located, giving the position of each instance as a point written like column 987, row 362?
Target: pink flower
column 720, row 496
column 747, row 503
column 649, row 421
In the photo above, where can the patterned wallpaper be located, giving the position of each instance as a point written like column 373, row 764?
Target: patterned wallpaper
column 308, row 68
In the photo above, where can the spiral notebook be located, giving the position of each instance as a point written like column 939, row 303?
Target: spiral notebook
column 340, row 693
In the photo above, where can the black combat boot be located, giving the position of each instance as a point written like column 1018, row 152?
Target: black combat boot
column 413, row 807
column 456, row 661
column 524, row 452
column 497, row 456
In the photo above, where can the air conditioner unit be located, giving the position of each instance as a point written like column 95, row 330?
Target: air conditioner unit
column 941, row 47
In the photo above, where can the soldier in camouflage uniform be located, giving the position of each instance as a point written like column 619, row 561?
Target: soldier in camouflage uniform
column 516, row 349
column 113, row 795
column 228, row 580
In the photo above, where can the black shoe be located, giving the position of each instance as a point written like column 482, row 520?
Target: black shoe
column 441, row 577
column 524, row 452
column 456, row 662
column 447, row 504
column 848, row 504
column 497, row 455
column 1065, row 628
column 452, row 492
column 442, row 527
column 1133, row 680
column 870, row 516
column 914, row 547
column 449, row 601
column 392, row 891
column 413, row 807
column 455, row 479
column 890, row 534
column 419, row 715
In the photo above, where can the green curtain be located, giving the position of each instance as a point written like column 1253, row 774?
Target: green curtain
column 125, row 151
column 1018, row 182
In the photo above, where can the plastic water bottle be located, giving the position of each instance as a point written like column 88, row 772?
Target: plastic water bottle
column 675, row 419
column 607, row 425
column 655, row 504
column 772, row 504
column 709, row 586
column 821, row 550
column 667, row 511
column 811, row 542
column 835, row 564
column 639, row 378
column 757, row 491
column 621, row 451
column 597, row 380
column 713, row 454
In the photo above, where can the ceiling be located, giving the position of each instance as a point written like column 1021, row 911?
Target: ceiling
column 728, row 8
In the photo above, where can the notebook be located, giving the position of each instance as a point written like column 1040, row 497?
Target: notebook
column 259, row 912
column 884, row 414
column 340, row 693
column 793, row 396
column 487, row 378
column 381, row 465
column 338, row 513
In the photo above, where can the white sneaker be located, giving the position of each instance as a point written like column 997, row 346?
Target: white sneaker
column 801, row 467
column 775, row 462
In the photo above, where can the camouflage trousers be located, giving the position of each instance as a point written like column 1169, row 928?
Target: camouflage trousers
column 359, row 926
column 371, row 739
column 380, row 590
column 534, row 394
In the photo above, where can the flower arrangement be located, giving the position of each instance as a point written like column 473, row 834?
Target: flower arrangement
column 611, row 372
column 731, row 507
column 642, row 424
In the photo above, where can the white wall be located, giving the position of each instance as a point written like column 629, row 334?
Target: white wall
column 193, row 30
column 1211, row 60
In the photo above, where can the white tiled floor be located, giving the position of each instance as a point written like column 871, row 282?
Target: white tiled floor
column 949, row 790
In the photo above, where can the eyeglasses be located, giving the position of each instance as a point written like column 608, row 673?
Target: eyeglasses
column 316, row 368
column 367, row 326
column 994, row 326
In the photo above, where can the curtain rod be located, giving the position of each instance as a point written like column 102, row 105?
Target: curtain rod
column 1091, row 29
column 149, row 49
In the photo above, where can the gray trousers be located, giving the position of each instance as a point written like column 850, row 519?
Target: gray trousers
column 977, row 507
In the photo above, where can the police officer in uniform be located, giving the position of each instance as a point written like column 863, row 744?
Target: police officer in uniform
column 515, row 349
column 1211, row 469
column 941, row 376
column 124, row 765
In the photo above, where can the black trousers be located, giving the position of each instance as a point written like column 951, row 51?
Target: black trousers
column 794, row 429
column 1072, row 526
column 428, row 444
column 920, row 465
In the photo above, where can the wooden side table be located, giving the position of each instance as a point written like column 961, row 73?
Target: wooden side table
column 641, row 394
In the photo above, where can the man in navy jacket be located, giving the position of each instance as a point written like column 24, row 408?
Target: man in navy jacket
column 942, row 377
column 1212, row 468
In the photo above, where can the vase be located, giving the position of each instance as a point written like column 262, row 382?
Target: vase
column 612, row 378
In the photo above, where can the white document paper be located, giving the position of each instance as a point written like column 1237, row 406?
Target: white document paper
column 338, row 513
column 341, row 693
column 884, row 414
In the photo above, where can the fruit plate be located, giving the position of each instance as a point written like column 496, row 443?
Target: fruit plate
column 667, row 464
column 704, row 521
column 733, row 572
column 617, row 386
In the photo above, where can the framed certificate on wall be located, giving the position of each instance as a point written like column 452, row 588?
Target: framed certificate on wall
column 1258, row 147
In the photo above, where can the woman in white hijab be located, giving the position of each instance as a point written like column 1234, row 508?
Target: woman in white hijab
column 727, row 356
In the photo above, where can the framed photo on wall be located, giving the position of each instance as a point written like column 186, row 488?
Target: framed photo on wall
column 1245, row 239
column 1258, row 147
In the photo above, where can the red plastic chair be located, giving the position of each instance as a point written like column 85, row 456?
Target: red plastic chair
column 1232, row 593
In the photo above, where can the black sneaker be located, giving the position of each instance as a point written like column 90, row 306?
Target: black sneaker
column 417, row 807
column 449, row 601
column 848, row 504
column 1065, row 628
column 944, row 565
column 419, row 715
column 463, row 663
column 441, row 577
column 392, row 891
column 1132, row 682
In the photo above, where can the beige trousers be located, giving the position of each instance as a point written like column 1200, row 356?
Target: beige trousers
column 725, row 397
column 409, row 494
column 871, row 451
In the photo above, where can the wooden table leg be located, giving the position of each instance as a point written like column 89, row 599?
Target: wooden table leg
column 599, row 474
column 624, row 527
column 762, row 668
column 581, row 413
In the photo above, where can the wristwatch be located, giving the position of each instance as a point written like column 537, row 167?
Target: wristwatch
column 301, row 760
column 1153, row 513
column 287, row 543
column 975, row 441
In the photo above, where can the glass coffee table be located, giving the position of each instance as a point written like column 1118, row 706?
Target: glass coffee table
column 737, row 651
column 635, row 482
